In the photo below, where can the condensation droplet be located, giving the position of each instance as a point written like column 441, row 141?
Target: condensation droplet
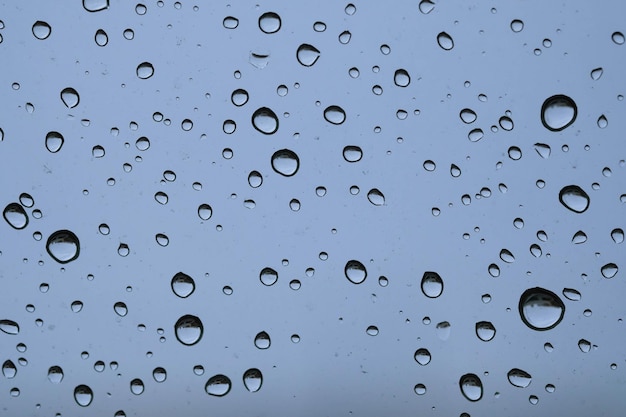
column 188, row 330
column 602, row 122
column 218, row 385
column 230, row 22
column 253, row 379
column 183, row 285
column 63, row 246
column 355, row 271
column 574, row 198
column 307, row 55
column 541, row 309
column 571, row 294
column 519, row 378
column 618, row 38
column 285, row 162
column 432, row 284
column 558, row 112
column 9, row 370
column 584, row 345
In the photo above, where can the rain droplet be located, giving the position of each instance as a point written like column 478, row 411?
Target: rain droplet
column 55, row 374
column 507, row 256
column 159, row 374
column 334, row 115
column 517, row 25
column 432, row 284
column 350, row 9
column 401, row 78
column 471, row 387
column 609, row 270
column 9, row 327
column 253, row 379
column 239, row 97
column 515, row 153
column 475, row 135
column 422, row 356
column 584, row 345
column 120, row 309
column 468, row 116
column 352, row 153
column 145, row 70
column 506, row 123
column 95, row 5
column 123, row 250
column 188, row 330
column 420, row 389
column 218, row 385
column 558, row 112
column 579, row 237
column 83, row 395
column 372, row 331
column 205, row 211
column 63, row 246
column 70, row 97
column 494, row 270
column 596, row 73
column 101, row 37
column 455, row 171
column 307, row 55
column 618, row 38
column 230, row 22
column 54, row 141
column 161, row 197
column 319, row 26
column 574, row 198
column 543, row 150
column 265, row 121
column 183, row 285
column 262, row 340
column 41, row 30
column 344, row 37
column 285, row 162
column 443, row 330
column 376, row 197
column 571, row 294
column 519, row 378
column 269, row 22
column 9, row 370
column 617, row 235
column 541, row 309
column 355, row 271
column 268, row 276
column 426, row 6
column 162, row 239
column 445, row 41
column 294, row 205
column 76, row 306
column 602, row 122
column 26, row 200
column 136, row 386
column 535, row 250
column 485, row 331
column 15, row 216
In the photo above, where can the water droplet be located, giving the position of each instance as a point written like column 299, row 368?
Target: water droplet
column 455, row 171
column 76, row 306
column 350, row 9
column 344, row 37
column 136, row 386
column 494, row 270
column 334, row 115
column 443, row 330
column 372, row 331
column 485, row 331
column 515, row 153
column 54, row 141
column 55, row 374
column 352, row 153
column 617, row 235
column 506, row 123
column 609, row 270
column 517, row 25
column 218, row 385
column 239, row 97
column 507, row 256
column 541, row 309
column 355, row 271
column 268, row 276
column 253, row 379
column 159, row 374
column 596, row 73
column 376, row 197
column 579, row 237
column 602, row 122
column 183, row 285
column 205, row 211
column 471, row 387
column 618, row 38
column 145, row 70
column 445, row 41
column 230, row 22
column 188, row 330
column 475, row 135
column 83, row 395
column 9, row 370
column 584, row 345
column 422, row 356
column 9, row 327
column 63, row 246
column 401, row 78
column 543, row 150
column 535, row 250
column 161, row 197
column 432, row 284
column 571, row 294
column 426, row 6
column 319, row 26
column 15, row 216
column 420, row 389
column 307, row 55
column 468, row 116
column 519, row 378
column 574, row 198
column 95, row 5
column 265, row 121
column 70, row 97
column 123, row 250
column 262, row 340
column 41, row 30
column 269, row 22
column 120, row 309
column 294, row 204
column 285, row 162
column 162, row 239
column 101, row 37
column 558, row 112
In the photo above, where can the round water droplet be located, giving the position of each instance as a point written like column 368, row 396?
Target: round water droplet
column 120, row 309
column 294, row 205
column 9, row 370
column 230, row 22
column 485, row 331
column 372, row 331
column 41, row 30
column 519, row 378
column 618, row 38
column 376, row 197
column 617, row 235
column 517, row 25
column 262, row 340
column 183, row 285
column 422, row 356
column 420, row 389
column 471, row 387
column 9, row 327
column 54, row 142
column 355, row 271
column 265, row 121
column 63, row 246
column 239, row 97
column 83, row 395
column 101, row 37
column 253, row 379
column 558, row 112
column 574, row 198
column 55, row 374
column 609, row 270
column 468, row 116
column 188, row 330
column 76, row 306
column 205, row 211
column 255, row 179
column 162, row 239
column 352, row 153
column 432, row 284
column 70, row 97
column 307, row 55
column 269, row 22
column 145, row 70
column 136, row 386
column 541, row 309
column 159, row 374
column 268, row 276
column 285, row 162
column 401, row 78
column 334, row 115
column 218, row 385
column 15, row 216
column 445, row 41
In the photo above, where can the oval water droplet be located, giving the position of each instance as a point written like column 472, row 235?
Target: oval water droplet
column 136, row 386
column 485, row 331
column 609, row 270
column 558, row 112
column 262, row 340
column 376, row 197
column 63, row 246
column 344, row 37
column 268, row 276
column 183, row 285
column 230, row 22
column 265, row 121
column 571, row 294
column 352, row 153
column 372, row 331
column 255, row 179
column 422, row 356
column 519, row 378
column 54, row 142
column 475, row 135
column 15, row 216
column 468, row 116
column 159, row 374
column 445, row 41
column 432, row 284
column 253, row 379
column 617, row 235
column 95, row 5
column 41, row 30
column 307, row 55
column 618, row 38
column 471, row 387
column 218, row 385
column 101, row 38
column 76, row 306
column 285, row 162
column 205, row 211
column 334, row 115
column 188, row 330
column 161, row 197
column 9, row 370
column 507, row 256
column 596, row 73
column 355, row 271
column 239, row 97
column 83, row 395
column 145, row 70
column 55, row 374
column 574, row 198
column 401, row 78
column 541, row 309
column 269, row 22
column 120, row 309
column 162, row 239
column 70, row 97
column 9, row 327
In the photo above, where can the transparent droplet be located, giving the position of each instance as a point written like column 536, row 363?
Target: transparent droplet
column 506, row 123
column 307, row 55
column 188, row 330
column 319, row 26
column 268, row 276
column 609, row 270
column 535, row 250
column 517, row 25
column 618, row 38
column 334, row 115
column 145, row 70
column 401, row 78
column 136, row 386
column 344, row 37
column 95, row 5
column 239, row 97
column 519, row 378
column 161, row 197
column 574, row 198
column 15, row 216
column 183, row 285
column 186, row 125
column 55, row 374
column 558, row 112
column 507, row 256
column 372, row 331
column 159, row 374
column 443, row 330
column 475, row 135
column 162, row 239
column 285, row 162
column 579, row 237
column 602, row 122
column 218, row 385
column 596, row 73
column 352, row 153
column 76, row 306
column 584, row 345
column 269, row 22
column 445, row 41
column 294, row 204
column 471, row 387
column 83, row 395
column 515, row 153
column 41, row 30
column 485, row 331
column 101, row 37
column 376, row 197
column 262, row 340
column 265, row 121
column 253, row 379
column 426, row 6
column 70, row 97
column 350, row 9
column 617, row 235
column 9, row 370
column 420, row 389
column 571, row 294
column 230, row 22
column 455, row 171
column 432, row 284
column 355, row 271
column 63, row 246
column 259, row 59
column 422, row 356
column 205, row 211
column 9, row 327
column 468, row 116
column 543, row 150
column 541, row 309
column 120, row 309
column 54, row 141
column 198, row 370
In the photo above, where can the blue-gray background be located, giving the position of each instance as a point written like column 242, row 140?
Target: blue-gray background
column 336, row 368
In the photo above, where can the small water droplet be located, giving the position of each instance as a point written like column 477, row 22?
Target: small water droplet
column 432, row 284
column 344, row 37
column 426, row 6
column 422, row 356
column 376, row 197
column 136, row 386
column 602, row 122
column 15, row 216
column 468, row 116
column 485, row 331
column 9, row 370
column 541, row 309
column 70, row 97
column 535, row 250
column 294, row 204
column 205, row 211
column 230, row 22
column 494, row 270
column 471, row 387
column 455, row 171
column 571, row 294
column 543, row 150
column 443, row 330
column 517, row 25
column 54, row 142
column 519, row 378
column 355, row 271
column 268, row 276
column 161, row 197
column 9, row 327
column 558, row 112
column 401, row 78
column 269, row 22
column 41, row 30
column 101, row 38
column 120, row 309
column 350, row 9
column 334, row 115
column 183, row 285
column 579, row 237
column 506, row 123
column 95, row 5
column 596, row 73
column 218, row 385
column 515, row 153
column 617, row 235
column 145, row 70
column 285, row 162
column 319, row 26
column 507, row 256
column 352, row 153
column 265, row 121
column 159, row 374
column 420, row 389
column 55, row 374
column 475, row 135
column 239, row 97
column 584, row 345
column 307, row 55
column 445, row 41
column 253, row 379
column 372, row 331
column 262, row 340
column 574, row 198
column 609, row 270
column 618, row 38
column 162, row 239
column 83, row 395
column 76, row 306
column 188, row 330
column 63, row 246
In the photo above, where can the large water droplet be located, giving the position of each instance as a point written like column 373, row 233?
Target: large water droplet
column 70, row 97
column 63, row 246
column 159, row 374
column 265, row 121
column 145, row 70
column 355, row 271
column 376, row 197
column 9, row 327
column 574, row 198
column 188, row 330
column 401, row 78
column 307, row 55
column 41, row 30
column 517, row 25
column 253, row 379
column 541, row 309
column 83, row 395
column 230, row 22
column 422, row 356
column 485, row 331
column 335, row 115
column 54, row 141
column 183, row 285
column 269, row 22
column 519, row 378
column 618, row 38
column 255, row 179
column 136, row 386
column 432, row 284
column 471, row 387
column 262, row 340
column 609, row 270
column 268, row 276
column 352, row 153
column 15, row 216
column 218, row 385
column 95, row 5
column 55, row 374
column 285, row 162
column 558, row 112
column 9, row 370
column 161, row 197
column 205, row 211
column 445, row 41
